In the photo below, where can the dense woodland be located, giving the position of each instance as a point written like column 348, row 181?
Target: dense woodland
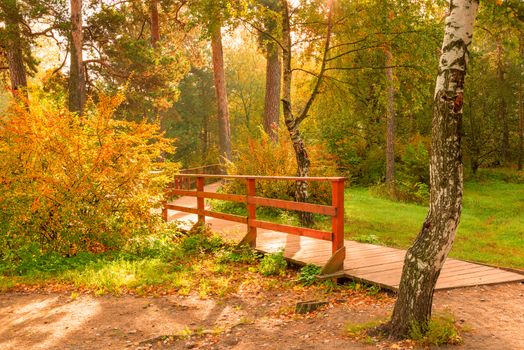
column 212, row 74
column 105, row 100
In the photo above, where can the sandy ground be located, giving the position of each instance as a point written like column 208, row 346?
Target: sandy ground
column 494, row 316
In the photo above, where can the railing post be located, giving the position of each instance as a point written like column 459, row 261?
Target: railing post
column 164, row 211
column 337, row 221
column 251, row 236
column 200, row 200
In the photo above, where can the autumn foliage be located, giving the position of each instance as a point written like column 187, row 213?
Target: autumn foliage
column 70, row 182
column 266, row 158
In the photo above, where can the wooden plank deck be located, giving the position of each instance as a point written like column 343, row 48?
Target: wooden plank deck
column 364, row 262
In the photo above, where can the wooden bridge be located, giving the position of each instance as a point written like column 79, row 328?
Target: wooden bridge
column 339, row 257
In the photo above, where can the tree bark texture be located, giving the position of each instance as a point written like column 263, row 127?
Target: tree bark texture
column 301, row 155
column 473, row 136
column 292, row 122
column 155, row 23
column 224, row 133
column 15, row 61
column 521, row 104
column 502, row 107
column 426, row 256
column 390, row 127
column 77, row 85
column 272, row 98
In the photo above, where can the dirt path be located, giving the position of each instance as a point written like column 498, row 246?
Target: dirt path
column 261, row 320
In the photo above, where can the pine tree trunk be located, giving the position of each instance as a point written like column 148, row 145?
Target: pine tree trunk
column 224, row 133
column 502, row 108
column 390, row 128
column 301, row 156
column 155, row 24
column 272, row 98
column 521, row 103
column 77, row 85
column 15, row 61
column 473, row 136
column 426, row 256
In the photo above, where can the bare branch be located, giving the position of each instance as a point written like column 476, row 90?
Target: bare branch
column 260, row 30
column 61, row 65
column 316, row 88
column 305, row 71
column 374, row 67
column 354, row 50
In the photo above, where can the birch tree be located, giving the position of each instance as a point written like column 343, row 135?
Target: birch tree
column 425, row 258
column 291, row 119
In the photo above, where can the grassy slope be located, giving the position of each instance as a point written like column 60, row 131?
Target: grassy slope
column 491, row 229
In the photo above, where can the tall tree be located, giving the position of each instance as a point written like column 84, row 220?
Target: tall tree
column 425, row 258
column 390, row 125
column 502, row 114
column 155, row 22
column 273, row 71
column 77, row 83
column 521, row 102
column 221, row 92
column 292, row 120
column 13, row 46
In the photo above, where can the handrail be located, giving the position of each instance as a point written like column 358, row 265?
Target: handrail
column 275, row 178
column 335, row 210
column 202, row 169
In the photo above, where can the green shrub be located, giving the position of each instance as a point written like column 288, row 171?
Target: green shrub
column 308, row 274
column 200, row 243
column 70, row 183
column 273, row 264
column 440, row 330
column 412, row 175
column 498, row 174
column 159, row 245
column 242, row 255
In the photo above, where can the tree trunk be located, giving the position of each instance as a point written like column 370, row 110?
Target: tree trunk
column 301, row 156
column 224, row 133
column 77, row 86
column 15, row 61
column 155, row 24
column 272, row 98
column 426, row 256
column 502, row 108
column 292, row 122
column 473, row 137
column 521, row 104
column 205, row 132
column 390, row 128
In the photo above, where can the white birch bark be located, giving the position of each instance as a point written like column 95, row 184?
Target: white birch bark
column 426, row 256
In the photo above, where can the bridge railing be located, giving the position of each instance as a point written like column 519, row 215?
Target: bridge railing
column 182, row 186
column 189, row 182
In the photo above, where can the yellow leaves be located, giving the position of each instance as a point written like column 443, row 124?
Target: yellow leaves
column 70, row 177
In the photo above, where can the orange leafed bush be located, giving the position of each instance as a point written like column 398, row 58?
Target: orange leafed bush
column 264, row 157
column 70, row 182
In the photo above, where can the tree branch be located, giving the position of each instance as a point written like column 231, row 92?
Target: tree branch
column 316, row 88
column 373, row 67
column 353, row 50
column 260, row 30
column 62, row 65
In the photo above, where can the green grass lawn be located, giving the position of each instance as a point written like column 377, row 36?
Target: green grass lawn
column 491, row 229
